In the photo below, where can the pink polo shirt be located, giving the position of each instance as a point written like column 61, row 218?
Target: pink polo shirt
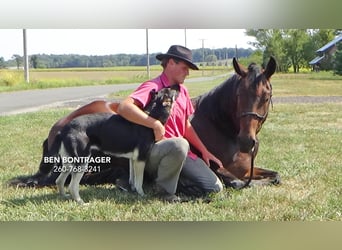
column 181, row 110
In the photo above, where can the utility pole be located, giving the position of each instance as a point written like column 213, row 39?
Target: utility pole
column 202, row 55
column 26, row 64
column 148, row 57
column 185, row 37
column 236, row 52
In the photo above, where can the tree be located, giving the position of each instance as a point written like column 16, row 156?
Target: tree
column 211, row 59
column 271, row 42
column 18, row 60
column 294, row 43
column 338, row 60
column 34, row 61
column 292, row 47
column 2, row 63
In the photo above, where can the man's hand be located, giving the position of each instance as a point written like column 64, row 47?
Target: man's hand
column 207, row 157
column 158, row 130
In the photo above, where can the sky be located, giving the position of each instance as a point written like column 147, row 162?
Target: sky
column 116, row 41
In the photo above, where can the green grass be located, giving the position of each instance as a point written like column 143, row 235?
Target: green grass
column 13, row 80
column 300, row 141
column 313, row 84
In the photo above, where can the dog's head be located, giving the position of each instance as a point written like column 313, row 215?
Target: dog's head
column 160, row 104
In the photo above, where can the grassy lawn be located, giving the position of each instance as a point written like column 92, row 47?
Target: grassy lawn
column 13, row 80
column 309, row 84
column 300, row 141
column 306, row 154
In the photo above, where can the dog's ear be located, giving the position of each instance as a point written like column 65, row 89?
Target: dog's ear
column 151, row 102
column 175, row 87
column 153, row 94
column 175, row 91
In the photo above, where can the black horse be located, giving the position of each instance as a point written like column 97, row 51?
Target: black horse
column 227, row 119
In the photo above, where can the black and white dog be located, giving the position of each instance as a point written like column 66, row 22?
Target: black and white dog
column 111, row 134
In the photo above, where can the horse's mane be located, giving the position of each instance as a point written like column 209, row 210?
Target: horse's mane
column 219, row 104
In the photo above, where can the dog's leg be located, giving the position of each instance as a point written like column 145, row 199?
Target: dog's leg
column 60, row 181
column 136, row 172
column 74, row 186
column 138, row 167
column 132, row 158
column 65, row 172
column 131, row 175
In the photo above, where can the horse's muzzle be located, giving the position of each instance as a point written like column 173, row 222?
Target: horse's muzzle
column 246, row 143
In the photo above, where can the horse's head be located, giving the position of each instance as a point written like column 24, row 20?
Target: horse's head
column 160, row 104
column 253, row 99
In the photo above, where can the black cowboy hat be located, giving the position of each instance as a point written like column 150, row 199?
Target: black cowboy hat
column 181, row 53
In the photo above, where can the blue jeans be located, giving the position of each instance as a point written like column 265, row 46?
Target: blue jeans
column 169, row 162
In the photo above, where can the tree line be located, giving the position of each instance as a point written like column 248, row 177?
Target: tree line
column 294, row 48
column 41, row 61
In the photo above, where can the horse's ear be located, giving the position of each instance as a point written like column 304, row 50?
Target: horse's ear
column 270, row 68
column 239, row 69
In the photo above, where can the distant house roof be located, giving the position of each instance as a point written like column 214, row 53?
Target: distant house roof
column 316, row 60
column 329, row 45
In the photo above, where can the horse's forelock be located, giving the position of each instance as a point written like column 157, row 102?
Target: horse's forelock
column 253, row 72
column 253, row 68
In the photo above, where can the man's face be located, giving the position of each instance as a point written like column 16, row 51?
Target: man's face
column 179, row 70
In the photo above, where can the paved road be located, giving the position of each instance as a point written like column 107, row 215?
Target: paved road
column 31, row 100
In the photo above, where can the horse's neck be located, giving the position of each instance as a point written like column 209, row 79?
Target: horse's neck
column 219, row 104
column 221, row 99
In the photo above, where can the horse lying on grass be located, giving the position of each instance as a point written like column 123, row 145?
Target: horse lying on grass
column 227, row 119
column 110, row 133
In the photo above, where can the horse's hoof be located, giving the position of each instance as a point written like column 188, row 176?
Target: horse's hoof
column 276, row 180
column 237, row 184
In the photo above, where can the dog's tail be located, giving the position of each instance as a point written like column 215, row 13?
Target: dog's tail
column 44, row 176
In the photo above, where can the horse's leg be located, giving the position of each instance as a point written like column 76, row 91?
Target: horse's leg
column 99, row 106
column 229, row 179
column 263, row 176
column 233, row 172
column 260, row 176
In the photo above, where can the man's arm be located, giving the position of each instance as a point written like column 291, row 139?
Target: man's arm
column 129, row 109
column 192, row 137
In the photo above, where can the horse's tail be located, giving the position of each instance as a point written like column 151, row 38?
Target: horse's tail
column 44, row 176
